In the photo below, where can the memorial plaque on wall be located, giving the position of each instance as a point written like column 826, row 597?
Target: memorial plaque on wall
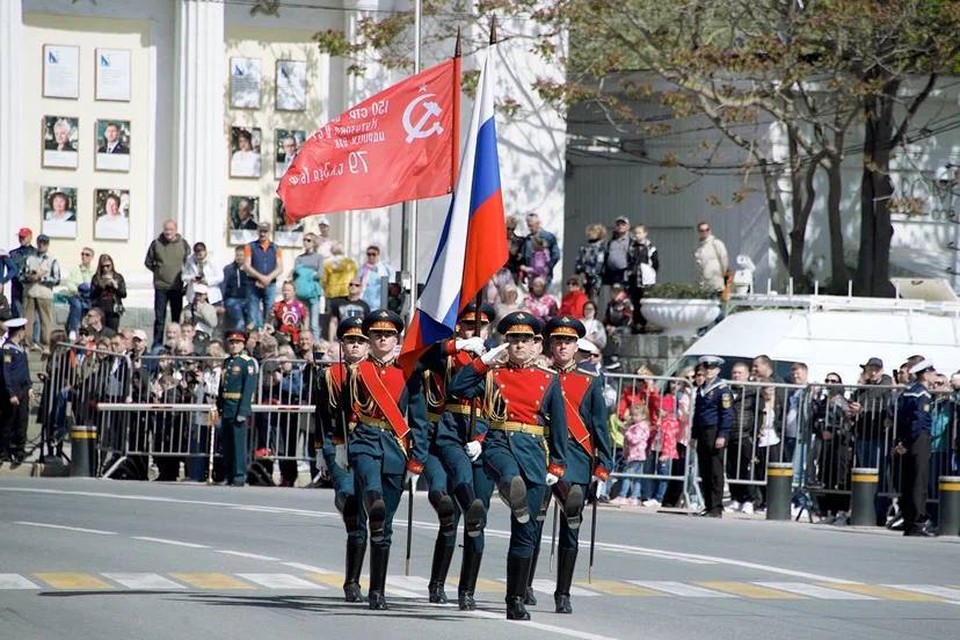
column 113, row 145
column 113, row 74
column 59, row 211
column 291, row 85
column 245, row 83
column 242, row 213
column 112, row 207
column 61, row 71
column 61, row 138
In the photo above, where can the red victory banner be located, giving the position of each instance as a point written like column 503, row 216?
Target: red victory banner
column 400, row 144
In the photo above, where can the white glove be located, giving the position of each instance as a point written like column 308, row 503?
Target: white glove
column 491, row 356
column 340, row 457
column 412, row 478
column 321, row 464
column 552, row 479
column 241, row 419
column 473, row 345
column 473, row 449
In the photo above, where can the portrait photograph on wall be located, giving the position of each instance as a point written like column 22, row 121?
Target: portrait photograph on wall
column 291, row 85
column 113, row 214
column 59, row 211
column 242, row 218
column 245, row 83
column 113, row 145
column 113, row 75
column 285, row 235
column 288, row 143
column 61, row 138
column 61, row 71
column 244, row 152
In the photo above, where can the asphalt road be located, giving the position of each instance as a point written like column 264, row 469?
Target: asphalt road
column 101, row 559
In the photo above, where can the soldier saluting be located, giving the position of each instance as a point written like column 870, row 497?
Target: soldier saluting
column 524, row 406
column 333, row 427
column 384, row 444
column 588, row 447
column 238, row 384
column 454, row 461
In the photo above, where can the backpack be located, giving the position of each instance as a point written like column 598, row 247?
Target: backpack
column 305, row 284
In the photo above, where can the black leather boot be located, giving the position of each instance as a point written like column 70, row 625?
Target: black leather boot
column 446, row 513
column 514, row 495
column 566, row 562
column 442, row 555
column 571, row 500
column 472, row 507
column 379, row 558
column 351, row 583
column 468, row 578
column 517, row 571
column 376, row 515
column 529, row 597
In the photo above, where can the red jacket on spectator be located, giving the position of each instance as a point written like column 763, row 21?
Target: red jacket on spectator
column 572, row 303
column 645, row 392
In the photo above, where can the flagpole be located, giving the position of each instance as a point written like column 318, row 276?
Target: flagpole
column 411, row 209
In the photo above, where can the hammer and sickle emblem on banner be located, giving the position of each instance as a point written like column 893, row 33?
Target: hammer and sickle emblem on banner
column 420, row 129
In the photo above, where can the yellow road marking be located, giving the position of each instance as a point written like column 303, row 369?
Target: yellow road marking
column 747, row 590
column 68, row 580
column 491, row 586
column 211, row 581
column 617, row 588
column 886, row 593
column 332, row 579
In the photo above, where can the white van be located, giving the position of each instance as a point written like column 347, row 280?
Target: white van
column 833, row 334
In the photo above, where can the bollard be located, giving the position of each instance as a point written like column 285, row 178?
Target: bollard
column 83, row 444
column 949, row 506
column 779, row 490
column 863, row 510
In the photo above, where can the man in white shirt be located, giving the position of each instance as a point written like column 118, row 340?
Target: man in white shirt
column 200, row 267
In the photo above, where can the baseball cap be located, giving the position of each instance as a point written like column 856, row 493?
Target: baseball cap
column 43, row 238
column 623, row 219
column 873, row 362
column 323, row 220
column 140, row 334
column 201, row 288
column 24, row 232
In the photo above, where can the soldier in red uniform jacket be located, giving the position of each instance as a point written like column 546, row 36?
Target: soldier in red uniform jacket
column 524, row 406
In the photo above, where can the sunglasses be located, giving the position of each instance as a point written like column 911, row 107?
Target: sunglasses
column 372, row 254
column 832, row 381
column 354, row 284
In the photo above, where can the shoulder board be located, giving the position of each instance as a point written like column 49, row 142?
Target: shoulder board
column 545, row 369
column 587, row 372
column 245, row 356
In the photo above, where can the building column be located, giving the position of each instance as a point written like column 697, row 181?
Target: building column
column 11, row 122
column 199, row 157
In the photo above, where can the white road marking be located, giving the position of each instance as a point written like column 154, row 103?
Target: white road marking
column 15, row 581
column 306, row 567
column 662, row 554
column 244, row 554
column 46, row 525
column 680, row 589
column 930, row 590
column 409, row 583
column 281, row 581
column 143, row 581
column 814, row 591
column 397, row 586
column 175, row 543
column 549, row 586
column 562, row 631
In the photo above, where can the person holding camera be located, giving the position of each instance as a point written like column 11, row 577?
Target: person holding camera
column 40, row 275
column 107, row 291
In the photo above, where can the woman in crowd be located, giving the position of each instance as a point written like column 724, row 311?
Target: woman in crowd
column 596, row 332
column 833, row 451
column 107, row 291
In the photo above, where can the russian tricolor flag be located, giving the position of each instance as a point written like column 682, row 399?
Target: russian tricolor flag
column 473, row 243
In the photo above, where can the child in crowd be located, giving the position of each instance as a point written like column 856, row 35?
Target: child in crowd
column 635, row 440
column 539, row 266
column 290, row 316
column 663, row 446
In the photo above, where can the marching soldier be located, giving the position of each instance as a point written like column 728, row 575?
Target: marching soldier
column 524, row 406
column 238, row 384
column 453, row 466
column 384, row 445
column 333, row 427
column 588, row 448
column 712, row 420
column 16, row 394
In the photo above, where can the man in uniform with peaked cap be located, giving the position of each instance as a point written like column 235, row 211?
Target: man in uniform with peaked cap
column 16, row 393
column 238, row 384
column 388, row 446
column 524, row 406
column 712, row 420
